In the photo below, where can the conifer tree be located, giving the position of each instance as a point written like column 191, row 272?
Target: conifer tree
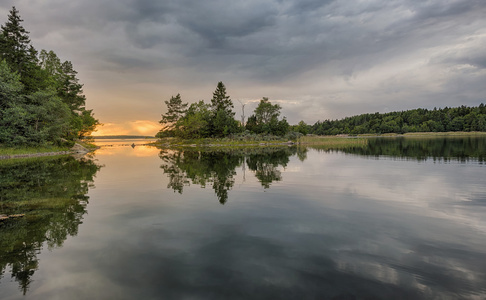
column 221, row 101
column 21, row 56
column 223, row 122
column 175, row 111
column 15, row 45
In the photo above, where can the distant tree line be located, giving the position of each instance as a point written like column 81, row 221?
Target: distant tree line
column 41, row 99
column 216, row 119
column 461, row 118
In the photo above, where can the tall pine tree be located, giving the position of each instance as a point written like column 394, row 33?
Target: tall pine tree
column 175, row 110
column 20, row 55
column 15, row 42
column 221, row 101
column 223, row 122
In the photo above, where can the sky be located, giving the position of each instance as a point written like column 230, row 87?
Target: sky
column 318, row 59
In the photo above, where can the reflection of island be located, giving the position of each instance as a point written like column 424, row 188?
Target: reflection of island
column 217, row 167
column 51, row 192
column 423, row 148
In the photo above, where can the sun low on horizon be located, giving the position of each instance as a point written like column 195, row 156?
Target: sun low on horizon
column 137, row 127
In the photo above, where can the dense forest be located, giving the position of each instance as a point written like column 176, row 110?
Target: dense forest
column 41, row 99
column 461, row 118
column 203, row 120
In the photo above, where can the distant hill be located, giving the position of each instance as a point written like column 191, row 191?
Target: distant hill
column 122, row 137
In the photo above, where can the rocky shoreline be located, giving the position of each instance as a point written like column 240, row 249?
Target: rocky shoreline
column 77, row 149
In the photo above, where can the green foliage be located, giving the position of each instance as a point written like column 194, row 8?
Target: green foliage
column 175, row 111
column 195, row 124
column 216, row 120
column 221, row 101
column 62, row 78
column 461, row 118
column 32, row 119
column 70, row 90
column 223, row 124
column 10, row 87
column 20, row 55
column 200, row 120
column 15, row 45
column 29, row 150
column 222, row 120
column 282, row 127
column 41, row 99
column 302, row 128
column 266, row 111
column 265, row 119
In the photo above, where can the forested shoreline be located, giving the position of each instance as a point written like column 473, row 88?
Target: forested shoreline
column 216, row 120
column 41, row 99
column 446, row 119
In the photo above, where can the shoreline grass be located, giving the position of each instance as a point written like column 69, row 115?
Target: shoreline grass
column 8, row 151
column 331, row 141
column 311, row 140
column 424, row 134
column 216, row 143
column 442, row 134
column 19, row 160
column 14, row 152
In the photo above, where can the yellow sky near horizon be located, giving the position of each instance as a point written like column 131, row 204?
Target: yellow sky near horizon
column 138, row 127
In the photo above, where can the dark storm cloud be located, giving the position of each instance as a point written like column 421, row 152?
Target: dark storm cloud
column 294, row 35
column 305, row 52
column 324, row 29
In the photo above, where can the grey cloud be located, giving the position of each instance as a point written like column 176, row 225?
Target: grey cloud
column 438, row 9
column 304, row 6
column 472, row 56
column 282, row 36
column 217, row 22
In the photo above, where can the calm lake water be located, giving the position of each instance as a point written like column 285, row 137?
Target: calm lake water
column 399, row 219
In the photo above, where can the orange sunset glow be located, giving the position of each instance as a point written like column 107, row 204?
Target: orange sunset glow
column 139, row 127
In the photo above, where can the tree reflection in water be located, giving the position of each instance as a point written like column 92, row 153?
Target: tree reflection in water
column 218, row 167
column 51, row 192
column 440, row 148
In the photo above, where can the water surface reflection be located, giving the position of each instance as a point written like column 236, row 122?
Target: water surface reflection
column 218, row 167
column 341, row 227
column 297, row 224
column 51, row 192
column 455, row 148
